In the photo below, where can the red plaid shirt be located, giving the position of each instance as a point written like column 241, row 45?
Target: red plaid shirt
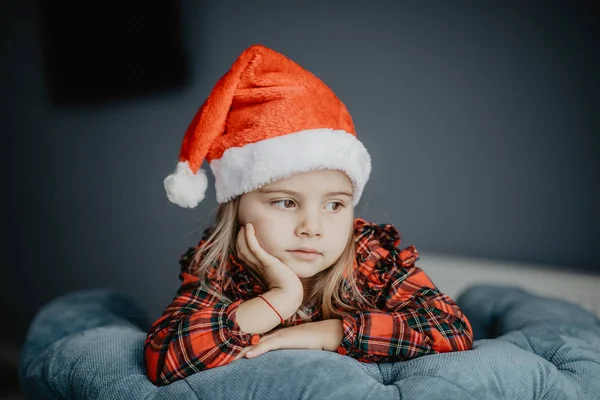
column 198, row 330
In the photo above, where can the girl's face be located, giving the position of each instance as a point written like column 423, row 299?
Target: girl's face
column 304, row 220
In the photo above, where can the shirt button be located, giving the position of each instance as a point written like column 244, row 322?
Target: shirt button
column 342, row 350
column 254, row 339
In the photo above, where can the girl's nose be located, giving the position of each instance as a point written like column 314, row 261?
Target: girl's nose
column 310, row 226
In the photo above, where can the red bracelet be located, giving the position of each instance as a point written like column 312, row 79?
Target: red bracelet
column 276, row 312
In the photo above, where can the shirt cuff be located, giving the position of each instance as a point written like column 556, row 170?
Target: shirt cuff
column 240, row 337
column 348, row 345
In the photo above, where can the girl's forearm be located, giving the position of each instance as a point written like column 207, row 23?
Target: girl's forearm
column 256, row 316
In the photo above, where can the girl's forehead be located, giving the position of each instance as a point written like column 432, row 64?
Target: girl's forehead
column 313, row 181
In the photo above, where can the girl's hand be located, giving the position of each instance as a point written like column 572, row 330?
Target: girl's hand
column 243, row 352
column 273, row 270
column 321, row 335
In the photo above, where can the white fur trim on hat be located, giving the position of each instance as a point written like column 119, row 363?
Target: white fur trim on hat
column 244, row 169
column 185, row 188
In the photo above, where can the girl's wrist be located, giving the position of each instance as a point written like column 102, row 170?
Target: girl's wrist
column 292, row 296
column 333, row 334
column 266, row 311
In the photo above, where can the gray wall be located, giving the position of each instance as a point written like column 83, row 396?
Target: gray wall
column 482, row 122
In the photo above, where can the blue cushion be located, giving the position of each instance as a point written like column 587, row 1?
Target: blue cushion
column 89, row 345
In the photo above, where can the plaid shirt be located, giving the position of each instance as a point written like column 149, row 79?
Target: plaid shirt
column 198, row 330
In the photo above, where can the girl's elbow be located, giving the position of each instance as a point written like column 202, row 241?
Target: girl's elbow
column 154, row 367
column 466, row 341
column 445, row 344
column 160, row 374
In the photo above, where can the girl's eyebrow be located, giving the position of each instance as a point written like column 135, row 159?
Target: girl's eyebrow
column 292, row 193
column 331, row 194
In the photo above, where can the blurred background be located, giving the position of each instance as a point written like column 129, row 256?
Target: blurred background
column 482, row 121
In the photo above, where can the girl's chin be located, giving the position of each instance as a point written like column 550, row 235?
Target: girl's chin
column 305, row 273
column 301, row 271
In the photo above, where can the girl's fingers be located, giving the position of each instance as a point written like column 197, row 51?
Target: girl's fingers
column 242, row 249
column 262, row 348
column 243, row 352
column 238, row 250
column 238, row 242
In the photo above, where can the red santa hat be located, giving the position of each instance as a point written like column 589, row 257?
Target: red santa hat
column 266, row 119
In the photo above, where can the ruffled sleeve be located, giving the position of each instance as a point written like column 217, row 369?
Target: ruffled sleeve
column 412, row 317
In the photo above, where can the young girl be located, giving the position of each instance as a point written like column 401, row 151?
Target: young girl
column 287, row 265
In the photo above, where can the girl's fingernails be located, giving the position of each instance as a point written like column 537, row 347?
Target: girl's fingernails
column 249, row 354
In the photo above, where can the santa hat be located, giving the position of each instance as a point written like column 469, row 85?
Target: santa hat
column 267, row 118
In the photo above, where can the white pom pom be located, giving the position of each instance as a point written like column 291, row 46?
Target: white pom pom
column 185, row 188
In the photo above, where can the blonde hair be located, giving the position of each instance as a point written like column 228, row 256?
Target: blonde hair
column 327, row 288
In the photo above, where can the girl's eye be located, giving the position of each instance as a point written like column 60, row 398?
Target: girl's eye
column 284, row 204
column 335, row 205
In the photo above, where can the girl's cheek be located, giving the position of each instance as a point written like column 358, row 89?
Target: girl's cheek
column 268, row 236
column 260, row 231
